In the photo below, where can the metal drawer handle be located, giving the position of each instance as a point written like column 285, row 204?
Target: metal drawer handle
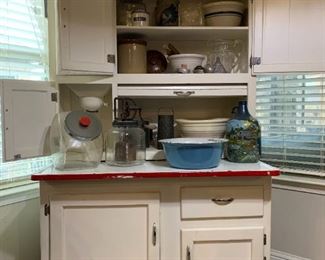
column 154, row 234
column 184, row 94
column 222, row 201
column 188, row 253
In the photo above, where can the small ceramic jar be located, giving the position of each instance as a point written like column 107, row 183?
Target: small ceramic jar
column 132, row 56
column 140, row 17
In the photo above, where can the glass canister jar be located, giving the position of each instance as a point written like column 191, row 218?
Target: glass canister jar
column 244, row 136
column 125, row 144
column 76, row 140
column 132, row 56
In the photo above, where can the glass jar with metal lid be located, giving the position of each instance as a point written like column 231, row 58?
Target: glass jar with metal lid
column 76, row 140
column 132, row 56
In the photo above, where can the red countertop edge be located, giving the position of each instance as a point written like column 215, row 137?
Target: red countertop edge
column 150, row 175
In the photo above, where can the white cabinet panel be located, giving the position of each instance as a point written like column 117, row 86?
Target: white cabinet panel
column 289, row 35
column 86, row 32
column 94, row 226
column 223, row 244
column 27, row 115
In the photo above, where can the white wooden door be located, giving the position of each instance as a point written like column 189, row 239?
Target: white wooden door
column 87, row 36
column 28, row 109
column 289, row 35
column 239, row 243
column 105, row 227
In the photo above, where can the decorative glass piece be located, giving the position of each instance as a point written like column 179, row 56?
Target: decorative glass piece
column 244, row 136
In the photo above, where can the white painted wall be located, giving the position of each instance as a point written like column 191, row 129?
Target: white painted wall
column 19, row 231
column 298, row 223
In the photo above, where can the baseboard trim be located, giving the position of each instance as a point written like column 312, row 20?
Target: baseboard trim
column 278, row 255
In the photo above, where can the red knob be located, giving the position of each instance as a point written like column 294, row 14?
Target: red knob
column 84, row 121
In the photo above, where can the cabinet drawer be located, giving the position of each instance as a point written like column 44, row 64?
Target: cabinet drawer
column 182, row 91
column 221, row 202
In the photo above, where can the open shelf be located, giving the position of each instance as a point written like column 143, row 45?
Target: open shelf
column 184, row 33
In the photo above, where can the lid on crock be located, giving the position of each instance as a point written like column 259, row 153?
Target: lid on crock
column 132, row 41
column 83, row 125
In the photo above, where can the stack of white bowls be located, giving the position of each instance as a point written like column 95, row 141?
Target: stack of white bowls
column 214, row 128
column 223, row 13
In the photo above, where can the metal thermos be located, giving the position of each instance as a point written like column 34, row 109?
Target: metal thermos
column 165, row 126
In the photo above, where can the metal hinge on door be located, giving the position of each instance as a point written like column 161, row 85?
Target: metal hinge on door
column 111, row 58
column 46, row 209
column 264, row 239
column 255, row 61
column 54, row 97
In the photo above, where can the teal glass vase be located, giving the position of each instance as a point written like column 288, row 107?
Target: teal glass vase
column 244, row 136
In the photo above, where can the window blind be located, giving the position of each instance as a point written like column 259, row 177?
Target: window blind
column 23, row 40
column 291, row 111
column 23, row 55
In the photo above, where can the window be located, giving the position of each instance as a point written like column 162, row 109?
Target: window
column 23, row 40
column 291, row 111
column 23, row 55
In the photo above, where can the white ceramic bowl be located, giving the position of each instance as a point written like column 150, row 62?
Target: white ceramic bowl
column 187, row 61
column 224, row 19
column 223, row 13
column 91, row 103
column 203, row 128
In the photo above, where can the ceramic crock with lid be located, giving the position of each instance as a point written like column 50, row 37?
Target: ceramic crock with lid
column 132, row 56
column 76, row 139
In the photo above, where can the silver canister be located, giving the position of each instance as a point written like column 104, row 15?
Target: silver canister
column 132, row 56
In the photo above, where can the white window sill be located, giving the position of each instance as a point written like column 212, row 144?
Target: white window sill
column 18, row 191
column 301, row 183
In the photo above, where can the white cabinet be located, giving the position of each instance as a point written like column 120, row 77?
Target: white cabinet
column 28, row 108
column 289, row 35
column 236, row 243
column 86, row 36
column 105, row 226
column 167, row 219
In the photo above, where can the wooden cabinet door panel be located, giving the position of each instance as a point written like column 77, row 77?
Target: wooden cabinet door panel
column 289, row 35
column 223, row 243
column 86, row 31
column 105, row 226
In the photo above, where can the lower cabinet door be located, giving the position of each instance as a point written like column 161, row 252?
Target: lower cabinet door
column 222, row 244
column 117, row 226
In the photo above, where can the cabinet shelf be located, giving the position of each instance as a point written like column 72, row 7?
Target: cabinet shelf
column 182, row 79
column 185, row 33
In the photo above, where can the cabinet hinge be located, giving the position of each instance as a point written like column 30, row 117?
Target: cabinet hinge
column 111, row 58
column 46, row 209
column 255, row 61
column 264, row 239
column 17, row 156
column 264, row 258
column 54, row 97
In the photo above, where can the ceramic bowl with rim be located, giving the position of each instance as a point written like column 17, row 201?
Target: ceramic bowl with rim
column 214, row 128
column 185, row 61
column 223, row 13
column 193, row 153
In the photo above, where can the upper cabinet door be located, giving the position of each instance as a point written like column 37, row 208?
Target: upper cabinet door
column 87, row 36
column 27, row 113
column 289, row 36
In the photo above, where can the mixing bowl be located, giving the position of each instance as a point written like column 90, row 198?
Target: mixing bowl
column 185, row 61
column 193, row 153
